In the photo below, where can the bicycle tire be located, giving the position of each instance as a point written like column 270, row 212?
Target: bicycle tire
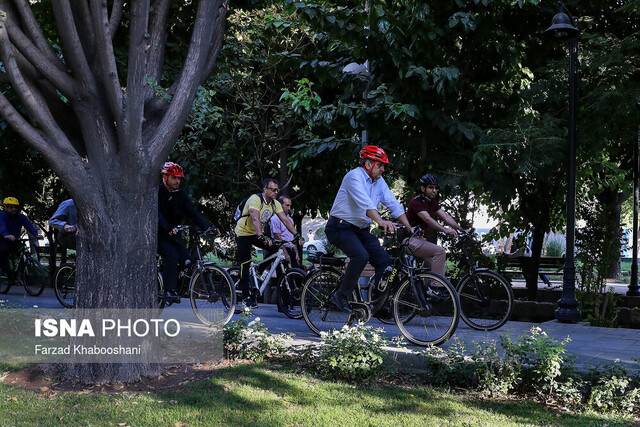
column 436, row 321
column 213, row 299
column 33, row 276
column 4, row 283
column 318, row 312
column 289, row 291
column 487, row 302
column 64, row 285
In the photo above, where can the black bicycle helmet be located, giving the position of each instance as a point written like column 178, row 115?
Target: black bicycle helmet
column 429, row 179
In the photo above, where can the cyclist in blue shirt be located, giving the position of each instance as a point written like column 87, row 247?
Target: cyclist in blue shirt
column 65, row 220
column 11, row 223
column 354, row 209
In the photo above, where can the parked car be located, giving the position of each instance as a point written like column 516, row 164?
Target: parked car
column 314, row 246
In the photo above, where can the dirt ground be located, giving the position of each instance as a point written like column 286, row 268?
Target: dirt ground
column 173, row 378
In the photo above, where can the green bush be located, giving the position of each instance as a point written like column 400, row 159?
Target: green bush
column 355, row 352
column 250, row 339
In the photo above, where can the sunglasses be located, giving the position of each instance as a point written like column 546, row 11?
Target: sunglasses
column 275, row 190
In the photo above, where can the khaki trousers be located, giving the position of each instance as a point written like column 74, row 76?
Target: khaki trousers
column 434, row 256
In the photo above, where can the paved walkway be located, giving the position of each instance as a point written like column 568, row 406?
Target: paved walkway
column 591, row 345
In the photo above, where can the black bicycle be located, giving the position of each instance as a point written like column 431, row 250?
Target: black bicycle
column 423, row 304
column 28, row 271
column 486, row 297
column 208, row 285
column 64, row 284
column 288, row 285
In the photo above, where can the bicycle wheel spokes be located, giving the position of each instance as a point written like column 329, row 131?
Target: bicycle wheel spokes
column 289, row 293
column 65, row 285
column 486, row 303
column 33, row 277
column 319, row 313
column 429, row 317
column 212, row 296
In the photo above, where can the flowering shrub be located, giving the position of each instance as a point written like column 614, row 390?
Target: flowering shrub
column 353, row 352
column 250, row 339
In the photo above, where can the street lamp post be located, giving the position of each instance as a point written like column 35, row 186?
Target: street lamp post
column 564, row 26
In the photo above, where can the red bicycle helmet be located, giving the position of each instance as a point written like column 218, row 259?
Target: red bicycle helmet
column 374, row 153
column 174, row 169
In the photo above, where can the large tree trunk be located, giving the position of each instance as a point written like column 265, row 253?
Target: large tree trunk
column 106, row 127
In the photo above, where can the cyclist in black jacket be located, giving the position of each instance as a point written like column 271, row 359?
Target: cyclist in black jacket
column 173, row 206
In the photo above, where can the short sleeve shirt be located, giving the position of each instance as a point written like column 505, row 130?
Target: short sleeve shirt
column 419, row 204
column 244, row 226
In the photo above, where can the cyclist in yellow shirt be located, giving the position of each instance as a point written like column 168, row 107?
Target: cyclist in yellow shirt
column 257, row 212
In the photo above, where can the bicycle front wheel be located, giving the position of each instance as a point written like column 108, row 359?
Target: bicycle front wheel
column 33, row 277
column 486, row 300
column 320, row 314
column 426, row 310
column 64, row 285
column 290, row 291
column 212, row 295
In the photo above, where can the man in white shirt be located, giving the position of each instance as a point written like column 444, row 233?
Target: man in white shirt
column 354, row 209
column 280, row 232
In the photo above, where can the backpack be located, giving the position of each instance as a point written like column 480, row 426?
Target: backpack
column 266, row 228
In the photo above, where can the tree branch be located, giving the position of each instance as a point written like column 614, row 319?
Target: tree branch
column 32, row 28
column 116, row 14
column 108, row 70
column 158, row 38
column 130, row 129
column 37, row 112
column 184, row 88
column 41, row 62
column 73, row 52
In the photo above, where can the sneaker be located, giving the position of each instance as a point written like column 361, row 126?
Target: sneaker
column 437, row 293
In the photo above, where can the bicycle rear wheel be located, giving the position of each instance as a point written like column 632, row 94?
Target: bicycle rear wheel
column 5, row 285
column 486, row 300
column 33, row 277
column 289, row 292
column 427, row 312
column 64, row 285
column 319, row 313
column 212, row 295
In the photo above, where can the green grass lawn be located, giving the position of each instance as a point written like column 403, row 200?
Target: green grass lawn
column 254, row 394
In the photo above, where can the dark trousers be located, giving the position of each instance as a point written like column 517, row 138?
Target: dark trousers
column 361, row 247
column 174, row 254
column 7, row 247
column 244, row 244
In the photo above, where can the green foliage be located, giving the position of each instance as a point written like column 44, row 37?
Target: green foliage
column 555, row 245
column 613, row 389
column 250, row 339
column 450, row 367
column 597, row 245
column 352, row 353
column 495, row 375
column 542, row 359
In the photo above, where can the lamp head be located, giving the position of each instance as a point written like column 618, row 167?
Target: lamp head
column 562, row 25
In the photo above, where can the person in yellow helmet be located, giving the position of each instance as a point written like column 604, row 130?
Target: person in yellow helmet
column 11, row 223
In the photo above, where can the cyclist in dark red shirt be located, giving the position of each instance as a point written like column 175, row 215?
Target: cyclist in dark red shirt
column 424, row 210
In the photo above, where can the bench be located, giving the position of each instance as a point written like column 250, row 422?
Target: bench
column 549, row 266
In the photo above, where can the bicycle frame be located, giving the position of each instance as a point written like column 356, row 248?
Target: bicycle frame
column 267, row 275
